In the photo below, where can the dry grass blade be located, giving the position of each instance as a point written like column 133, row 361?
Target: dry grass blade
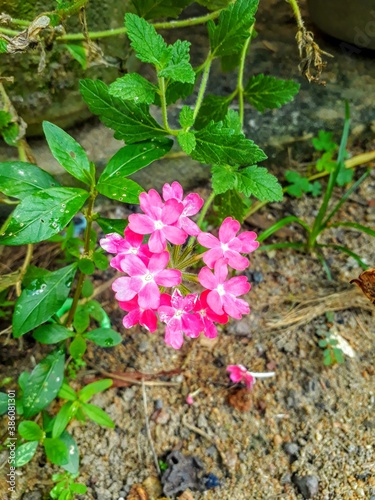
column 307, row 310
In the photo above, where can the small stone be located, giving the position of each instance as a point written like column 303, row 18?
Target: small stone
column 143, row 346
column 291, row 449
column 153, row 487
column 277, row 440
column 158, row 403
column 307, row 485
column 162, row 417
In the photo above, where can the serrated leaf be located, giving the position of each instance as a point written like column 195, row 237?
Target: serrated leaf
column 230, row 63
column 97, row 415
column 42, row 214
column 20, row 179
column 147, row 43
column 324, row 141
column 42, row 299
column 52, row 334
column 223, row 178
column 25, row 452
column 230, row 204
column 68, row 152
column 30, row 431
column 105, row 337
column 43, row 383
column 267, row 92
column 217, row 144
column 186, row 140
column 258, row 182
column 112, row 225
column 73, row 459
column 186, row 117
column 326, row 162
column 56, row 451
column 315, row 188
column 78, row 52
column 214, row 4
column 178, row 67
column 232, row 121
column 154, row 9
column 214, row 108
column 133, row 87
column 90, row 390
column 131, row 122
column 78, row 347
column 176, row 91
column 298, row 184
column 233, row 26
column 344, row 176
column 128, row 160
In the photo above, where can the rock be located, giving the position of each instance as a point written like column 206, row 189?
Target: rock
column 33, row 495
column 308, row 485
column 291, row 449
column 183, row 472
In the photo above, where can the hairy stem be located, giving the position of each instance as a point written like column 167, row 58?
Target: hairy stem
column 241, row 69
column 163, row 103
column 203, row 85
column 297, row 13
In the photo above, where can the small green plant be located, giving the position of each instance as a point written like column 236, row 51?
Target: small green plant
column 332, row 354
column 324, row 218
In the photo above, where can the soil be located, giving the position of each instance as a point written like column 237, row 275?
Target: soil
column 308, row 432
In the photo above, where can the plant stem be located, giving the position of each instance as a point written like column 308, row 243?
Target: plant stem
column 296, row 12
column 23, row 269
column 203, row 85
column 241, row 69
column 163, row 102
column 86, row 254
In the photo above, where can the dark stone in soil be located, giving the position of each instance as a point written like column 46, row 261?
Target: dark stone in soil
column 308, row 486
column 183, row 472
column 291, row 449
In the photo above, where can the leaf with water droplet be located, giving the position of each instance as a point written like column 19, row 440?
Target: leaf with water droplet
column 41, row 299
column 49, row 373
column 105, row 337
column 73, row 464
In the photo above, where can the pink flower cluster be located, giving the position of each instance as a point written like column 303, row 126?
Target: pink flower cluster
column 166, row 220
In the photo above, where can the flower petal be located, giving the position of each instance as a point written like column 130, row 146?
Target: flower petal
column 215, row 302
column 175, row 235
column 149, row 296
column 207, row 279
column 247, row 239
column 208, row 240
column 237, row 286
column 157, row 242
column 132, row 318
column 173, row 334
column 169, row 277
column 171, row 211
column 141, row 223
column 151, row 203
column 235, row 307
column 158, row 262
column 133, row 266
column 149, row 320
column 228, row 229
column 192, row 203
column 191, row 325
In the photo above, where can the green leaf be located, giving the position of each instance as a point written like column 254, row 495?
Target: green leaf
column 299, row 184
column 214, row 108
column 154, row 9
column 97, row 415
column 34, row 273
column 176, row 91
column 25, row 452
column 148, row 45
column 73, row 460
column 78, row 488
column 131, row 122
column 11, row 134
column 52, row 334
column 56, row 451
column 324, row 141
column 20, row 179
column 65, row 415
column 87, row 289
column 89, row 390
column 128, row 160
column 178, row 67
column 86, row 266
column 186, row 117
column 78, row 52
column 100, row 260
column 66, row 392
column 68, row 153
column 42, row 299
column 186, row 140
column 230, row 63
column 78, row 347
column 232, row 121
column 230, row 204
column 3, row 403
column 223, row 178
column 105, row 337
column 258, row 182
column 133, row 87
column 217, row 144
column 112, row 225
column 96, row 311
column 232, row 28
column 42, row 214
column 214, row 4
column 5, row 118
column 43, row 383
column 81, row 320
column 344, row 176
column 339, row 355
column 3, row 46
column 267, row 92
column 30, row 431
column 323, row 343
column 326, row 163
column 315, row 188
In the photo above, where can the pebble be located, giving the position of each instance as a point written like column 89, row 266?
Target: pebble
column 291, row 449
column 158, row 404
column 143, row 346
column 307, row 485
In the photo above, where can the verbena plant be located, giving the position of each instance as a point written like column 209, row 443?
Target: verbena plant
column 57, row 306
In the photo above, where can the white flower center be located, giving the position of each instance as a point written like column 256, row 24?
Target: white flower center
column 220, row 289
column 133, row 250
column 224, row 247
column 158, row 224
column 148, row 277
column 178, row 313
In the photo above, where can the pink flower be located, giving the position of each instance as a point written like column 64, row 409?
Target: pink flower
column 159, row 220
column 238, row 373
column 144, row 279
column 192, row 204
column 180, row 319
column 223, row 295
column 208, row 316
column 189, row 399
column 136, row 315
column 130, row 244
column 228, row 245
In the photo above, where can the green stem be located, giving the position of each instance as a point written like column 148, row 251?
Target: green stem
column 163, row 102
column 241, row 70
column 86, row 254
column 203, row 85
column 23, row 269
column 296, row 12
